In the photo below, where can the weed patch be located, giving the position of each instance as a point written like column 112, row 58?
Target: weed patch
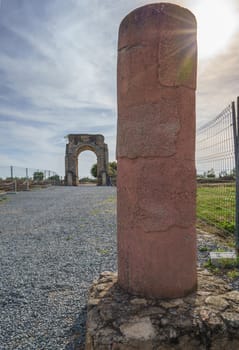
column 216, row 205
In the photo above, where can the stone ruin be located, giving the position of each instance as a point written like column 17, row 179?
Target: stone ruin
column 78, row 143
column 156, row 197
column 207, row 319
column 158, row 300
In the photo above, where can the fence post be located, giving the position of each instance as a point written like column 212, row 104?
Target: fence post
column 235, row 122
column 15, row 186
column 11, row 169
column 237, row 179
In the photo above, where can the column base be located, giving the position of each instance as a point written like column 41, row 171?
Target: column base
column 205, row 319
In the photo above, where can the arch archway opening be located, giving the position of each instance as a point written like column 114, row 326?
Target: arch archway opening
column 86, row 159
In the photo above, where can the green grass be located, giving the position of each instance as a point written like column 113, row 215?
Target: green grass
column 226, row 268
column 233, row 274
column 203, row 249
column 103, row 251
column 2, row 199
column 107, row 206
column 216, row 205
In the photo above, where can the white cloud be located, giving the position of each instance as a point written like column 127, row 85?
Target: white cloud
column 58, row 76
column 218, row 83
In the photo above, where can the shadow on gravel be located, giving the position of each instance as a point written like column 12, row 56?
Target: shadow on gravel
column 77, row 332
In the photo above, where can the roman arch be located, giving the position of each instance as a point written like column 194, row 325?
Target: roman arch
column 78, row 143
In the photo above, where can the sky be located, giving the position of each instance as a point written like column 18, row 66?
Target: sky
column 58, row 73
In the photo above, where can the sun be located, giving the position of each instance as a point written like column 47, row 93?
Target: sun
column 217, row 22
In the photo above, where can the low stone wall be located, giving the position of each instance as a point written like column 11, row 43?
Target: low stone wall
column 206, row 319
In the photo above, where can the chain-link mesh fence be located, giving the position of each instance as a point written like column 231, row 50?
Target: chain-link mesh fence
column 216, row 172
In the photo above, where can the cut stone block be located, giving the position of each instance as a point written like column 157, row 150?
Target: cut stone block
column 156, row 207
column 206, row 319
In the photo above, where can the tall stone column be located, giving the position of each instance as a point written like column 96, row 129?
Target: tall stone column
column 156, row 182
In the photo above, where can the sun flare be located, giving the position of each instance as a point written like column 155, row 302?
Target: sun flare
column 217, row 22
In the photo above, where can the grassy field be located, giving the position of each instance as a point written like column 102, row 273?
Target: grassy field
column 216, row 205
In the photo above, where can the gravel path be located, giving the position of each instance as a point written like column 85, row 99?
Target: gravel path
column 53, row 243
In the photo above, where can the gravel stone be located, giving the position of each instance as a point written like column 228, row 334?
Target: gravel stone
column 53, row 243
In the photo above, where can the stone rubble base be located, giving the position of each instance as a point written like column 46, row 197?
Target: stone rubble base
column 205, row 320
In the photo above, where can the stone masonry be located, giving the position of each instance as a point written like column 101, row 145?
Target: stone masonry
column 156, row 180
column 78, row 143
column 208, row 319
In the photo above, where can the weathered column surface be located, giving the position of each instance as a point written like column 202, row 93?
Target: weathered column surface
column 155, row 150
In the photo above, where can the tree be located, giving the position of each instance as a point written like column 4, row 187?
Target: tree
column 223, row 174
column 93, row 170
column 112, row 169
column 54, row 178
column 84, row 180
column 211, row 173
column 38, row 176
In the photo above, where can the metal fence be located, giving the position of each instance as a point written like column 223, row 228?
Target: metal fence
column 217, row 171
column 11, row 172
column 13, row 178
